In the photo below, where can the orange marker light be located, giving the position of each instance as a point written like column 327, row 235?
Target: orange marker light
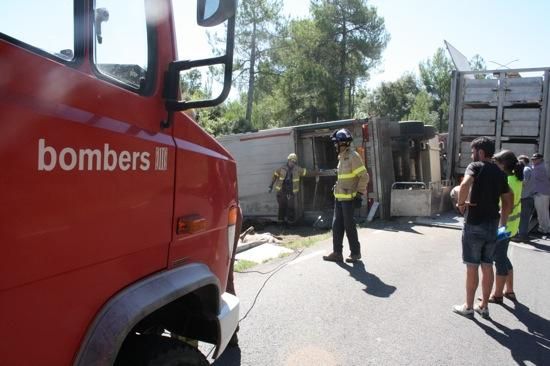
column 232, row 217
column 191, row 224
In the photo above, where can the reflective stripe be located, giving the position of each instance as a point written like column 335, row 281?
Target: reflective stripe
column 296, row 180
column 359, row 170
column 343, row 195
column 352, row 174
column 277, row 188
column 513, row 218
column 346, row 176
column 281, row 178
column 294, row 190
column 304, row 173
column 276, row 174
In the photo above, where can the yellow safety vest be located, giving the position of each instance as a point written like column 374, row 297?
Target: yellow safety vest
column 512, row 225
column 352, row 176
column 280, row 175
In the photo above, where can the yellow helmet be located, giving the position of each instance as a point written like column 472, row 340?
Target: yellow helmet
column 292, row 157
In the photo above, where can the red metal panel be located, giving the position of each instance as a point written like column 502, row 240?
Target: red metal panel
column 206, row 185
column 72, row 234
column 76, row 228
column 53, row 314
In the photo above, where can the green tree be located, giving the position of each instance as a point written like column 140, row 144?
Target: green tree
column 435, row 74
column 223, row 119
column 305, row 82
column 422, row 109
column 477, row 63
column 258, row 23
column 191, row 85
column 393, row 100
column 354, row 36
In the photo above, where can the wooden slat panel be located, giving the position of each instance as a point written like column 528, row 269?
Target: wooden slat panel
column 523, row 90
column 521, row 122
column 480, row 91
column 520, row 149
column 479, row 122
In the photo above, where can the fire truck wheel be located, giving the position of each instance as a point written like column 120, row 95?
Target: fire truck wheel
column 152, row 350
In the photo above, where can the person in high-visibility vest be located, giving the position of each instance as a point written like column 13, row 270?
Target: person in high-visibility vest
column 351, row 184
column 509, row 164
column 286, row 181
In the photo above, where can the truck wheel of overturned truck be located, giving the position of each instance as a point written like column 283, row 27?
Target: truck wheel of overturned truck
column 153, row 350
column 429, row 132
column 411, row 128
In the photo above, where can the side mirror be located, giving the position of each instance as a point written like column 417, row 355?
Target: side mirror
column 213, row 12
column 209, row 13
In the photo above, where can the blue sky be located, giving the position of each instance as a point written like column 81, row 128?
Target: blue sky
column 500, row 31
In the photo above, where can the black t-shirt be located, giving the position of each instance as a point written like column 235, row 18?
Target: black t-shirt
column 489, row 183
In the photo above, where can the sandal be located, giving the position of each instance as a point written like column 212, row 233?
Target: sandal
column 494, row 299
column 511, row 296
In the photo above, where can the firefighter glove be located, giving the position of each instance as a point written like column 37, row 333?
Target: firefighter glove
column 358, row 200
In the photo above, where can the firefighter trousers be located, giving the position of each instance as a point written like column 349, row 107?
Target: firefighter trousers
column 286, row 207
column 343, row 221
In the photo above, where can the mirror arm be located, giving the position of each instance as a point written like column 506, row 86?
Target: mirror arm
column 174, row 68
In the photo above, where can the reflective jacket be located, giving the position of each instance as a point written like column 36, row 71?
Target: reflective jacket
column 352, row 176
column 512, row 225
column 279, row 176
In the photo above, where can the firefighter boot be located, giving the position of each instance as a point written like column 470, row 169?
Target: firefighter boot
column 334, row 257
column 353, row 258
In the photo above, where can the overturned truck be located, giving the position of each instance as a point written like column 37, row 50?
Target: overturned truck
column 387, row 148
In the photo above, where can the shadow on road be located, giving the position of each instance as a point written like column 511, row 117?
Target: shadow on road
column 374, row 285
column 407, row 228
column 230, row 357
column 532, row 346
column 540, row 246
column 535, row 324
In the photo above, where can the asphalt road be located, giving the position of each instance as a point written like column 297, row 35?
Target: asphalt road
column 394, row 308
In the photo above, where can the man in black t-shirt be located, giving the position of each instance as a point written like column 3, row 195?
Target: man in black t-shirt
column 484, row 184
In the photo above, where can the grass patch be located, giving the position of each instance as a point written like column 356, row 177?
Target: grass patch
column 306, row 242
column 242, row 265
column 284, row 255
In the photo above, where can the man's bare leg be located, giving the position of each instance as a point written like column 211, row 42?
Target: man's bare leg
column 472, row 281
column 486, row 283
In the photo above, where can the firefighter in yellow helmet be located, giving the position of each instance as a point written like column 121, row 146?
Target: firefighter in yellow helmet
column 350, row 185
column 286, row 181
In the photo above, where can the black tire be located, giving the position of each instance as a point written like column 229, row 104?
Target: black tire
column 411, row 128
column 429, row 132
column 153, row 350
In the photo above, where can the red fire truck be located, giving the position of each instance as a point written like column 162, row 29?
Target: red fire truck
column 118, row 213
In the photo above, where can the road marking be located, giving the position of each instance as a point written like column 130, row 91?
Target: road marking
column 306, row 257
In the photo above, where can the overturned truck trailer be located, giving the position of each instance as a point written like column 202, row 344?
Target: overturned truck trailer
column 258, row 154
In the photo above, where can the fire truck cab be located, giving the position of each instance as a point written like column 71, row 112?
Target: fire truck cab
column 118, row 214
